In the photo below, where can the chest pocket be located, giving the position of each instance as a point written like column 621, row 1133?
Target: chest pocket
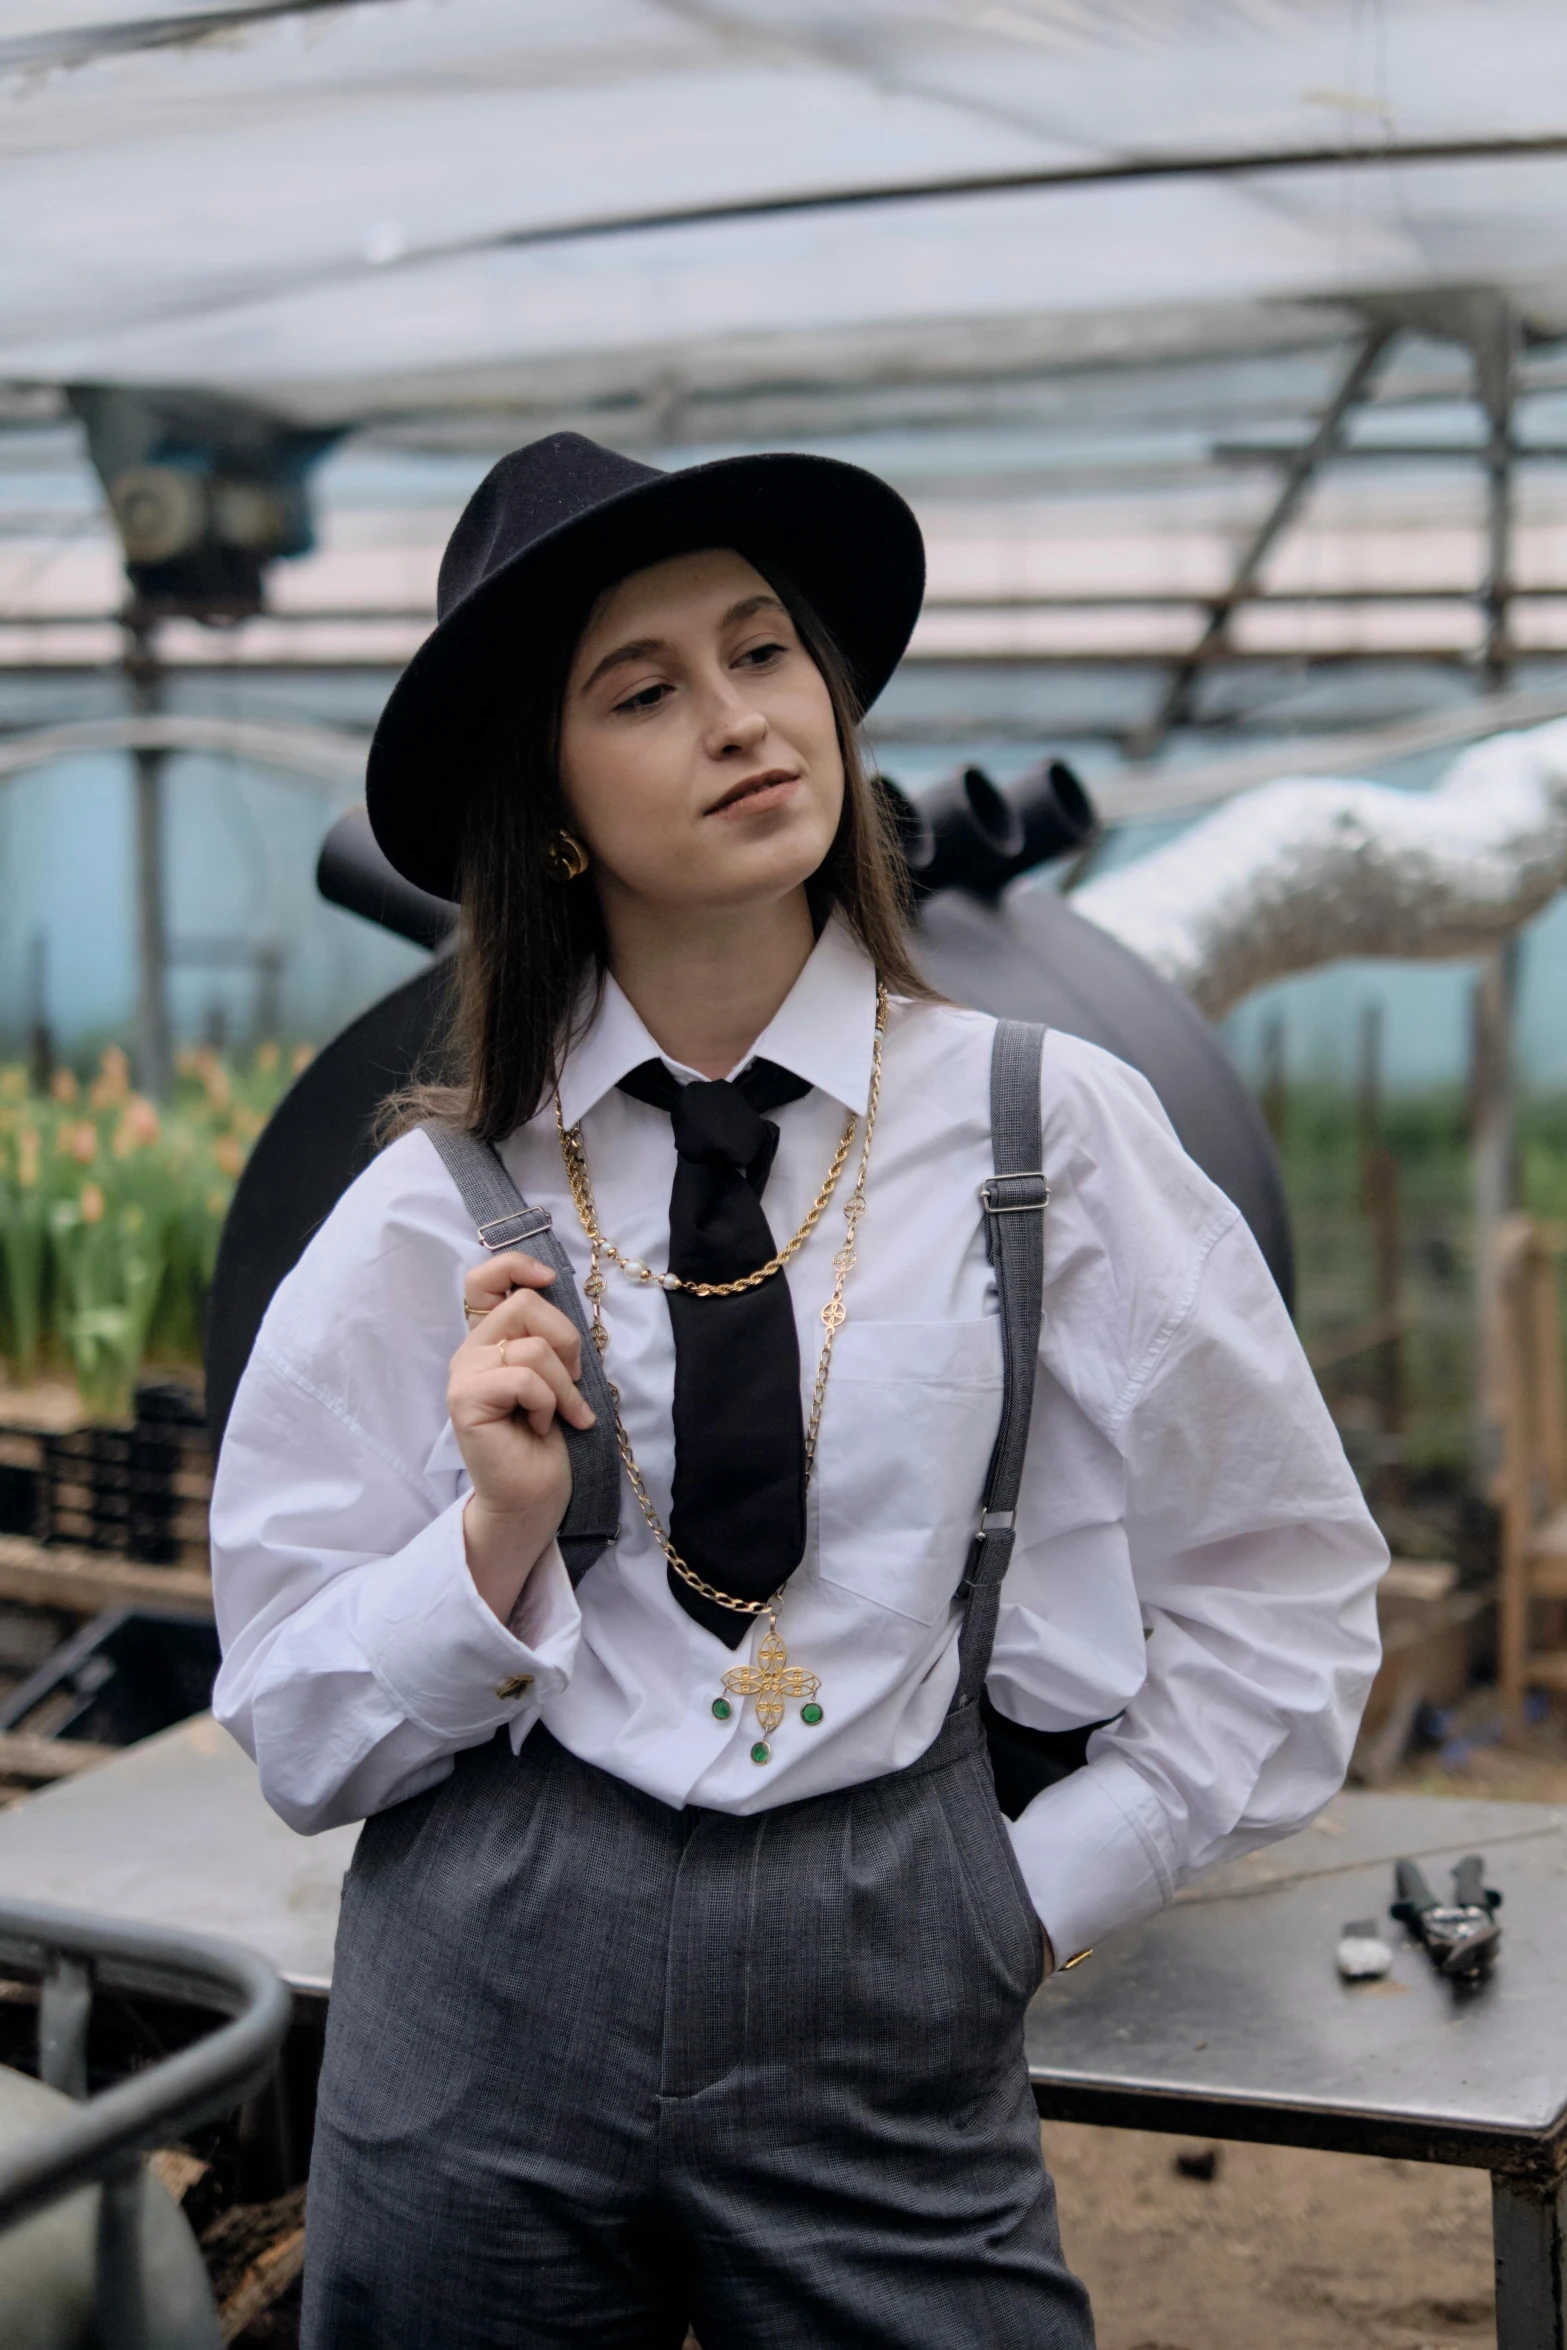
column 907, row 1429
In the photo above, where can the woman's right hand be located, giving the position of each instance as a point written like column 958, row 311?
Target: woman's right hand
column 513, row 1380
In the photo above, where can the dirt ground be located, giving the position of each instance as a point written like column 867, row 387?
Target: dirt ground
column 1280, row 2250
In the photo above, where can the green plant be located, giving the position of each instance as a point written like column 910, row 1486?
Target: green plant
column 1428, row 1136
column 110, row 1214
column 23, row 1239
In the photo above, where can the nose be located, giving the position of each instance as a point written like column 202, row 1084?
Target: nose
column 735, row 729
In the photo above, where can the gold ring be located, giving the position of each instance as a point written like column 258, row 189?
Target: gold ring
column 476, row 1313
column 501, row 1343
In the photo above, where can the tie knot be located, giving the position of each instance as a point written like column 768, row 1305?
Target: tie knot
column 716, row 1126
column 719, row 1124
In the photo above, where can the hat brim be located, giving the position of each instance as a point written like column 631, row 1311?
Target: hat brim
column 846, row 540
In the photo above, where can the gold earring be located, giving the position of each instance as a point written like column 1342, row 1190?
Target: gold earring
column 568, row 859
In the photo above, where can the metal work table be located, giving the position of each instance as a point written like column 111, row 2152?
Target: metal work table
column 174, row 1832
column 1224, row 2017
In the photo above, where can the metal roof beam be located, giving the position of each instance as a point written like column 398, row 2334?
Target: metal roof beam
column 1302, row 470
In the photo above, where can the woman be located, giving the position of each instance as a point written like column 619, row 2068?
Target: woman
column 684, row 1957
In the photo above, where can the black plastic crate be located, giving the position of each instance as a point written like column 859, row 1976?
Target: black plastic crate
column 139, row 1492
column 18, row 1498
column 124, row 1676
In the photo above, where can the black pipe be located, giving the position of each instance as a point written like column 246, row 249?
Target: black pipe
column 961, row 835
column 978, row 835
column 352, row 872
column 1057, row 813
column 965, row 834
column 909, row 822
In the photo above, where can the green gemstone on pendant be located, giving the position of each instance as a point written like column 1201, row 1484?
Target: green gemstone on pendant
column 811, row 1714
column 761, row 1752
column 722, row 1709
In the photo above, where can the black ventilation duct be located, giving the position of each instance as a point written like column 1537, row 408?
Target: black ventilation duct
column 966, row 834
column 966, row 837
column 1057, row 815
column 352, row 872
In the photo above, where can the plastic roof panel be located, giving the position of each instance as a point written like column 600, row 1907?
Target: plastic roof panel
column 446, row 222
column 292, row 194
column 311, row 207
column 738, row 280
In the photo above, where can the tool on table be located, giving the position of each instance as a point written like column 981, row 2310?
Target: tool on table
column 1461, row 1935
column 1363, row 1956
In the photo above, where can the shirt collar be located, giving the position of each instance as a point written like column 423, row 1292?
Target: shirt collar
column 822, row 1031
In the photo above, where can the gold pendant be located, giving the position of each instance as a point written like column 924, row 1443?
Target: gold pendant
column 770, row 1681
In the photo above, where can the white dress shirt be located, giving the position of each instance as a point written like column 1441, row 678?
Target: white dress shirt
column 1193, row 1556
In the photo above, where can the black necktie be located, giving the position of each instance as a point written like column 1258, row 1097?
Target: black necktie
column 738, row 1512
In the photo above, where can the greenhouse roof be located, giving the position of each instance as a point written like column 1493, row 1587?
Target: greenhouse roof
column 1078, row 275
column 371, row 207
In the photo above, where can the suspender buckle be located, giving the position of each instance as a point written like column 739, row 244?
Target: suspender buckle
column 522, row 1224
column 995, row 1522
column 996, row 1201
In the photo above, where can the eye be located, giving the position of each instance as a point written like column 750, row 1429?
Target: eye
column 648, row 698
column 759, row 655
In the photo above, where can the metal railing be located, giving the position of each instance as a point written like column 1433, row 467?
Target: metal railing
column 102, row 2139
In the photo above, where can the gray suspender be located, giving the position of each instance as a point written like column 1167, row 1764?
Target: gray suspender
column 505, row 1220
column 1013, row 1199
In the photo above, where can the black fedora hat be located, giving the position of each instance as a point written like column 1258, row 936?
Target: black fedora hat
column 554, row 523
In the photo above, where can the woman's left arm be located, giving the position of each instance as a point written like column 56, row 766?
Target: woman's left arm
column 1243, row 1544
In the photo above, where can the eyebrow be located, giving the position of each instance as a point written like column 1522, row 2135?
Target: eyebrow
column 641, row 648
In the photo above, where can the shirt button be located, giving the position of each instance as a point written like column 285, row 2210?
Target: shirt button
column 517, row 1686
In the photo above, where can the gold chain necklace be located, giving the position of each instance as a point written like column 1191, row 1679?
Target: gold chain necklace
column 772, row 1679
column 633, row 1267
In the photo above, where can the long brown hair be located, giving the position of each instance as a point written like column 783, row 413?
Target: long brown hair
column 527, row 939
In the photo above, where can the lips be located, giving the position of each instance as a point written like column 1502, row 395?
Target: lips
column 751, row 787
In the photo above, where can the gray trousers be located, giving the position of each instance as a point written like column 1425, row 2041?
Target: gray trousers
column 597, row 2069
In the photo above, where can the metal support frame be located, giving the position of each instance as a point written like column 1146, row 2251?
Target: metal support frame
column 1486, row 324
column 154, row 1052
column 1495, row 344
column 1527, row 2219
column 103, row 2138
column 1260, row 453
column 1495, row 1178
column 1361, row 453
column 1301, row 471
column 64, row 2011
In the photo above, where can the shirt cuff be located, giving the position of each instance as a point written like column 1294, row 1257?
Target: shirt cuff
column 445, row 1657
column 1090, row 1849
